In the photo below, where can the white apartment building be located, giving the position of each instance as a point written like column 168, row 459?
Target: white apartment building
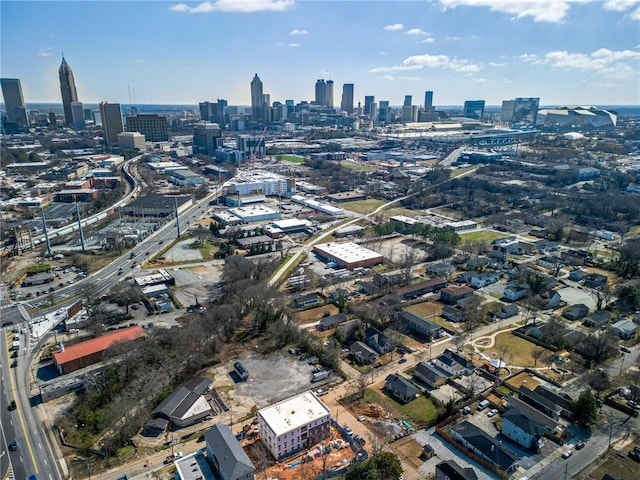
column 294, row 424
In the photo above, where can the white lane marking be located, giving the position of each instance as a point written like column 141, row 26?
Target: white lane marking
column 39, row 445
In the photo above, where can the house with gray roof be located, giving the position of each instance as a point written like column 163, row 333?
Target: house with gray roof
column 625, row 329
column 378, row 341
column 401, row 388
column 420, row 325
column 576, row 312
column 525, row 425
column 485, row 446
column 450, row 470
column 226, row 456
column 185, row 406
column 427, row 373
column 453, row 363
column 363, row 354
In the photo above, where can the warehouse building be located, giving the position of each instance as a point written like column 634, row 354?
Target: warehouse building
column 254, row 213
column 348, row 255
column 89, row 352
column 294, row 424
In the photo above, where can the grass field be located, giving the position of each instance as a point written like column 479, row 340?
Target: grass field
column 363, row 206
column 462, row 171
column 291, row 158
column 393, row 211
column 426, row 309
column 482, row 236
column 621, row 467
column 518, row 351
column 422, row 410
column 314, row 314
column 356, row 167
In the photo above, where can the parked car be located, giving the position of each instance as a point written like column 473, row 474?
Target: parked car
column 567, row 454
column 12, row 405
column 492, row 412
column 402, row 360
column 579, row 445
column 348, row 430
column 625, row 349
column 466, row 410
column 359, row 440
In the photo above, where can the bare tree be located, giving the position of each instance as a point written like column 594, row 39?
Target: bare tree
column 407, row 261
column 536, row 354
column 601, row 295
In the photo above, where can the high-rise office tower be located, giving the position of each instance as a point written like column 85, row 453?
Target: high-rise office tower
column 111, row 116
column 474, row 109
column 368, row 102
column 14, row 101
column 77, row 116
column 68, row 90
column 206, row 111
column 520, row 111
column 222, row 110
column 383, row 112
column 321, row 92
column 407, row 100
column 347, row 98
column 53, row 121
column 152, row 126
column 409, row 113
column 428, row 100
column 330, row 93
column 257, row 98
column 207, row 137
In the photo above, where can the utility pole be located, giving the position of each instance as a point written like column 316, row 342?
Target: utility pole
column 80, row 227
column 175, row 200
column 46, row 235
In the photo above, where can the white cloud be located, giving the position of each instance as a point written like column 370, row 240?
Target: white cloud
column 624, row 6
column 324, row 72
column 295, row 31
column 416, row 31
column 294, row 45
column 426, row 60
column 236, row 6
column 603, row 60
column 530, row 58
column 394, row 27
column 464, row 66
column 495, row 64
column 453, row 38
column 428, row 40
column 43, row 52
column 382, row 53
column 539, row 10
column 395, row 68
column 481, row 80
column 391, row 77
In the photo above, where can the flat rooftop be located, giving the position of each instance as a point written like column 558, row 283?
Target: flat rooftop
column 294, row 412
column 347, row 252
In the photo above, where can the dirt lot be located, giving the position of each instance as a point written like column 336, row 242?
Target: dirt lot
column 271, row 378
column 525, row 378
column 192, row 282
column 314, row 314
column 410, row 451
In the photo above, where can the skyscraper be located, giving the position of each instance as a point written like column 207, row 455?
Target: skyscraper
column 347, row 98
column 257, row 98
column 111, row 116
column 206, row 111
column 321, row 92
column 474, row 109
column 68, row 90
column 152, row 126
column 14, row 101
column 330, row 93
column 383, row 114
column 428, row 100
column 407, row 100
column 369, row 101
column 77, row 114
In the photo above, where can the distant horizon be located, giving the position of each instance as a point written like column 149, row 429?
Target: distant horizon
column 179, row 53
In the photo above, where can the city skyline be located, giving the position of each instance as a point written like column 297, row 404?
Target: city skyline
column 559, row 50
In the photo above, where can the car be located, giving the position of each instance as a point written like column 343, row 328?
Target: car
column 580, row 445
column 348, row 430
column 12, row 405
column 492, row 412
column 567, row 453
column 466, row 410
column 13, row 446
column 402, row 360
column 358, row 439
column 14, row 364
column 14, row 354
column 361, row 418
column 625, row 349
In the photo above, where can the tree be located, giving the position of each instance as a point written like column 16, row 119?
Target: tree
column 585, row 408
column 598, row 347
column 629, row 296
column 599, row 381
column 381, row 466
column 602, row 295
column 628, row 263
column 536, row 354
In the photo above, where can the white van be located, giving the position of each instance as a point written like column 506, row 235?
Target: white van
column 15, row 346
column 482, row 405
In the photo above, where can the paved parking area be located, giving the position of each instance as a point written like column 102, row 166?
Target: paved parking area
column 573, row 296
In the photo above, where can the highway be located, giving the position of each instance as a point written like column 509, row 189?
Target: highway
column 34, row 454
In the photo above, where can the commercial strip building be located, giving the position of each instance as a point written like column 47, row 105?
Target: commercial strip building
column 89, row 352
column 348, row 255
column 316, row 205
column 294, row 424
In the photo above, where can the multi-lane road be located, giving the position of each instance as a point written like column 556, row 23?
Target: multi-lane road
column 33, row 455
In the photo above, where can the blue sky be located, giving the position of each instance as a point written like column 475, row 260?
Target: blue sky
column 566, row 52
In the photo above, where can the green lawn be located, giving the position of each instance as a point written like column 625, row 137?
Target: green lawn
column 291, row 158
column 620, row 467
column 481, row 236
column 422, row 410
column 363, row 206
column 462, row 171
column 393, row 211
column 357, row 167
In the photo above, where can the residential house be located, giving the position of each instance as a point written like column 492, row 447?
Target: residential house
column 226, row 455
column 450, row 470
column 427, row 373
column 307, row 300
column 453, row 363
column 575, row 312
column 540, row 402
column 418, row 289
column 378, row 341
column 507, row 311
column 578, row 275
column 597, row 319
column 185, row 406
column 548, row 299
column 368, row 288
column 451, row 313
column 485, row 446
column 483, row 279
column 515, row 292
column 465, row 277
column 467, row 303
column 420, row 325
column 525, row 425
column 549, row 262
column 561, row 400
column 595, row 280
column 331, row 321
column 451, row 295
column 347, row 328
column 441, row 269
column 480, row 262
column 401, row 388
column 362, row 354
column 625, row 329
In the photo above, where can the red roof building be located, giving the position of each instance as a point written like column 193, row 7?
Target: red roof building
column 83, row 354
